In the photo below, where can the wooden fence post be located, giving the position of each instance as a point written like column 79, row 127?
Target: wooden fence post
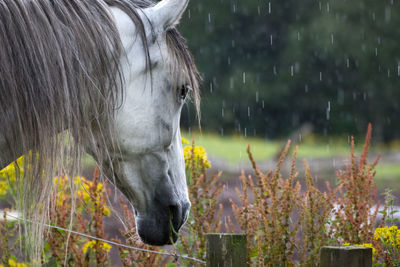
column 226, row 250
column 346, row 256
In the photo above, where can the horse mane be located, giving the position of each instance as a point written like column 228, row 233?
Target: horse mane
column 60, row 69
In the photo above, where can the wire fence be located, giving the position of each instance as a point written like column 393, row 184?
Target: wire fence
column 108, row 241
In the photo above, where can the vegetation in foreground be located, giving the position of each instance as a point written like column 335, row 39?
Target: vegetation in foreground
column 286, row 223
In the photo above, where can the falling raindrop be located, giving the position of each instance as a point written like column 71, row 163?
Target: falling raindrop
column 328, row 111
column 269, row 8
column 245, row 132
column 248, row 111
column 271, row 39
column 222, row 113
column 274, row 70
column 320, row 75
column 298, row 36
column 291, row 71
column 257, row 97
column 244, row 77
column 209, row 17
column 259, row 10
column 327, row 7
column 211, row 87
column 348, row 63
column 332, row 38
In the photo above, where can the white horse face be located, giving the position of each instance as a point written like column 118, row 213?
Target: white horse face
column 151, row 169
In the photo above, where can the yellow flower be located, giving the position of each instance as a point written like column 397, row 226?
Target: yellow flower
column 389, row 235
column 60, row 182
column 12, row 263
column 88, row 245
column 200, row 156
column 184, row 141
column 3, row 188
column 106, row 211
column 91, row 244
column 60, row 198
column 107, row 247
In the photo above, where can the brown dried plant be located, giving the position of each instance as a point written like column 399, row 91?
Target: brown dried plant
column 287, row 224
column 314, row 208
column 271, row 236
column 7, row 232
column 355, row 212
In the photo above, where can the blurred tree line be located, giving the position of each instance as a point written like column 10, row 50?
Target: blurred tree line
column 270, row 67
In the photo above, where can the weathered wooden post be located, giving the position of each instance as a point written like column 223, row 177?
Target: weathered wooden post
column 226, row 250
column 346, row 256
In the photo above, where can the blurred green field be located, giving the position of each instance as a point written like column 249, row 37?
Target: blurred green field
column 233, row 148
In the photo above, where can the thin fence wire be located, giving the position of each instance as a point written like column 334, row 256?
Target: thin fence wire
column 108, row 241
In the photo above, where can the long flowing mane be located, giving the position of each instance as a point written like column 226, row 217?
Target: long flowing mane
column 59, row 69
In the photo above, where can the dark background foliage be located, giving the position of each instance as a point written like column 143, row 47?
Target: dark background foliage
column 270, row 67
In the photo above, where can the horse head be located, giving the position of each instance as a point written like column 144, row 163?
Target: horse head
column 150, row 168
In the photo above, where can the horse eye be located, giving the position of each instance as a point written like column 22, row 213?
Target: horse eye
column 184, row 91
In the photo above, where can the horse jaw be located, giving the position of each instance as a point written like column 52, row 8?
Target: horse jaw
column 151, row 170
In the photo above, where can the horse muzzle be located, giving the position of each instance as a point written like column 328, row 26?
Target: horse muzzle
column 161, row 224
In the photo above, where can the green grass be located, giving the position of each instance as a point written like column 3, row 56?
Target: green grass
column 233, row 148
column 391, row 170
column 388, row 176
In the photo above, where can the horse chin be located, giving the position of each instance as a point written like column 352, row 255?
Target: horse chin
column 160, row 227
column 155, row 232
